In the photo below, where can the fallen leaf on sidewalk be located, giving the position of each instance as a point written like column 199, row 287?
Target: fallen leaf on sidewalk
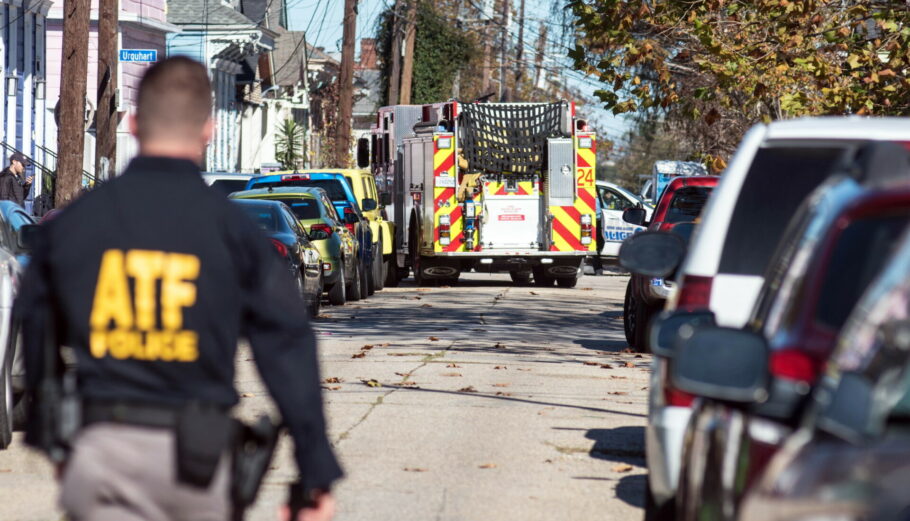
column 606, row 366
column 333, row 380
column 500, row 393
column 618, row 393
column 487, row 466
column 413, row 469
column 409, row 384
column 628, row 364
column 385, row 345
column 371, row 383
column 499, row 345
column 502, row 385
column 246, row 395
column 500, row 367
column 534, row 293
column 591, row 363
column 332, row 388
column 619, row 377
column 468, row 389
column 451, row 374
column 587, row 289
column 417, row 298
column 367, row 347
column 359, row 355
column 426, row 305
column 453, row 365
column 434, row 339
column 622, row 467
column 403, row 374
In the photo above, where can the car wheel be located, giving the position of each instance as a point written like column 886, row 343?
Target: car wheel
column 316, row 303
column 643, row 314
column 301, row 285
column 390, row 267
column 365, row 275
column 628, row 313
column 355, row 286
column 338, row 292
column 541, row 278
column 567, row 282
column 378, row 268
column 6, row 403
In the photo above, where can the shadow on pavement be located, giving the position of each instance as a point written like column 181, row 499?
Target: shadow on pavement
column 621, row 445
column 631, row 489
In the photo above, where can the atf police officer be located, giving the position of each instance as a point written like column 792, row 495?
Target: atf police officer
column 150, row 280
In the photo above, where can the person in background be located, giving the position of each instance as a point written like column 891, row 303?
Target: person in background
column 14, row 186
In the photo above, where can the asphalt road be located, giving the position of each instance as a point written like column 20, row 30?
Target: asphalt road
column 480, row 401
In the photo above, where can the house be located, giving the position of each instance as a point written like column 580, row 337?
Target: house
column 367, row 89
column 23, row 91
column 219, row 34
column 142, row 25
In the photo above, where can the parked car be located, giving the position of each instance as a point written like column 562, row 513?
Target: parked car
column 775, row 167
column 613, row 200
column 315, row 212
column 225, row 182
column 363, row 183
column 836, row 246
column 682, row 202
column 849, row 458
column 336, row 185
column 293, row 244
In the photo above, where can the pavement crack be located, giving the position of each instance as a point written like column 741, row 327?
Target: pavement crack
column 501, row 295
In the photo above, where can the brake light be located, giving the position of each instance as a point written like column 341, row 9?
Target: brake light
column 793, row 364
column 586, row 229
column 675, row 398
column 694, row 292
column 445, row 228
column 295, row 177
column 322, row 227
column 282, row 249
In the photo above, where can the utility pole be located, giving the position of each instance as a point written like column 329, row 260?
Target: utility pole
column 519, row 57
column 395, row 74
column 504, row 44
column 346, row 91
column 487, row 52
column 106, row 119
column 407, row 70
column 541, row 49
column 71, row 124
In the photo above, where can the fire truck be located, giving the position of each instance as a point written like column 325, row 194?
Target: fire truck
column 486, row 186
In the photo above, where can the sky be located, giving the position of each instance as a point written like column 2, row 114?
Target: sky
column 322, row 19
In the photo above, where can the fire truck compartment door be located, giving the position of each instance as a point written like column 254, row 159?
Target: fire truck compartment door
column 511, row 222
column 561, row 171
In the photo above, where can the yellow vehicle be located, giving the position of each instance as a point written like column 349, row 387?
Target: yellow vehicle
column 364, row 186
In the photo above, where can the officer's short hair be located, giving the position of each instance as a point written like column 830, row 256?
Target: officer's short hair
column 175, row 98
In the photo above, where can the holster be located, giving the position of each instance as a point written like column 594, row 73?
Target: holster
column 254, row 447
column 203, row 435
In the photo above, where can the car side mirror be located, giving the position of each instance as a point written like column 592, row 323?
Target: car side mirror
column 385, row 198
column 28, row 236
column 652, row 253
column 317, row 235
column 368, row 204
column 671, row 326
column 635, row 216
column 363, row 152
column 724, row 364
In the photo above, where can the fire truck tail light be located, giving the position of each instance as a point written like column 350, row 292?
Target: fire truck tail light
column 445, row 237
column 586, row 229
column 445, row 220
column 586, row 219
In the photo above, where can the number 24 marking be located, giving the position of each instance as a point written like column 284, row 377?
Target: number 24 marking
column 585, row 176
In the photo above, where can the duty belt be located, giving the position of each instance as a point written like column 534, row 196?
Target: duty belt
column 143, row 415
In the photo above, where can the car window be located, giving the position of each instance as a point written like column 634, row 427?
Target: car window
column 330, row 209
column 687, row 203
column 366, row 190
column 860, row 253
column 229, row 186
column 303, row 208
column 778, row 180
column 290, row 220
column 264, row 217
column 351, row 183
column 333, row 187
column 613, row 200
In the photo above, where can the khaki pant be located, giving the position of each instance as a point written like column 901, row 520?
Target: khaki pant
column 126, row 473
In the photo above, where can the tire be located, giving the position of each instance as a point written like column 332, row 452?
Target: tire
column 665, row 512
column 379, row 267
column 355, row 287
column 316, row 304
column 6, row 401
column 390, row 265
column 627, row 311
column 643, row 314
column 338, row 292
column 522, row 278
column 300, row 281
column 365, row 282
column 567, row 282
column 542, row 279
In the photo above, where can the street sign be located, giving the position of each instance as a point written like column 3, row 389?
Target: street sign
column 139, row 55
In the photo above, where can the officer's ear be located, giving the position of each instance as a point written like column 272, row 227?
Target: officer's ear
column 208, row 130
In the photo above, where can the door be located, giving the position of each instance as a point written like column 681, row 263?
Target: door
column 511, row 215
column 613, row 229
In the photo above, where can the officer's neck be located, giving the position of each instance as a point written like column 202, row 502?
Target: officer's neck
column 173, row 150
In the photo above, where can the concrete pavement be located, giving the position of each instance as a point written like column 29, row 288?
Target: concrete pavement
column 481, row 401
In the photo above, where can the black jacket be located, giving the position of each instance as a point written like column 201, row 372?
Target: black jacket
column 152, row 278
column 12, row 187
